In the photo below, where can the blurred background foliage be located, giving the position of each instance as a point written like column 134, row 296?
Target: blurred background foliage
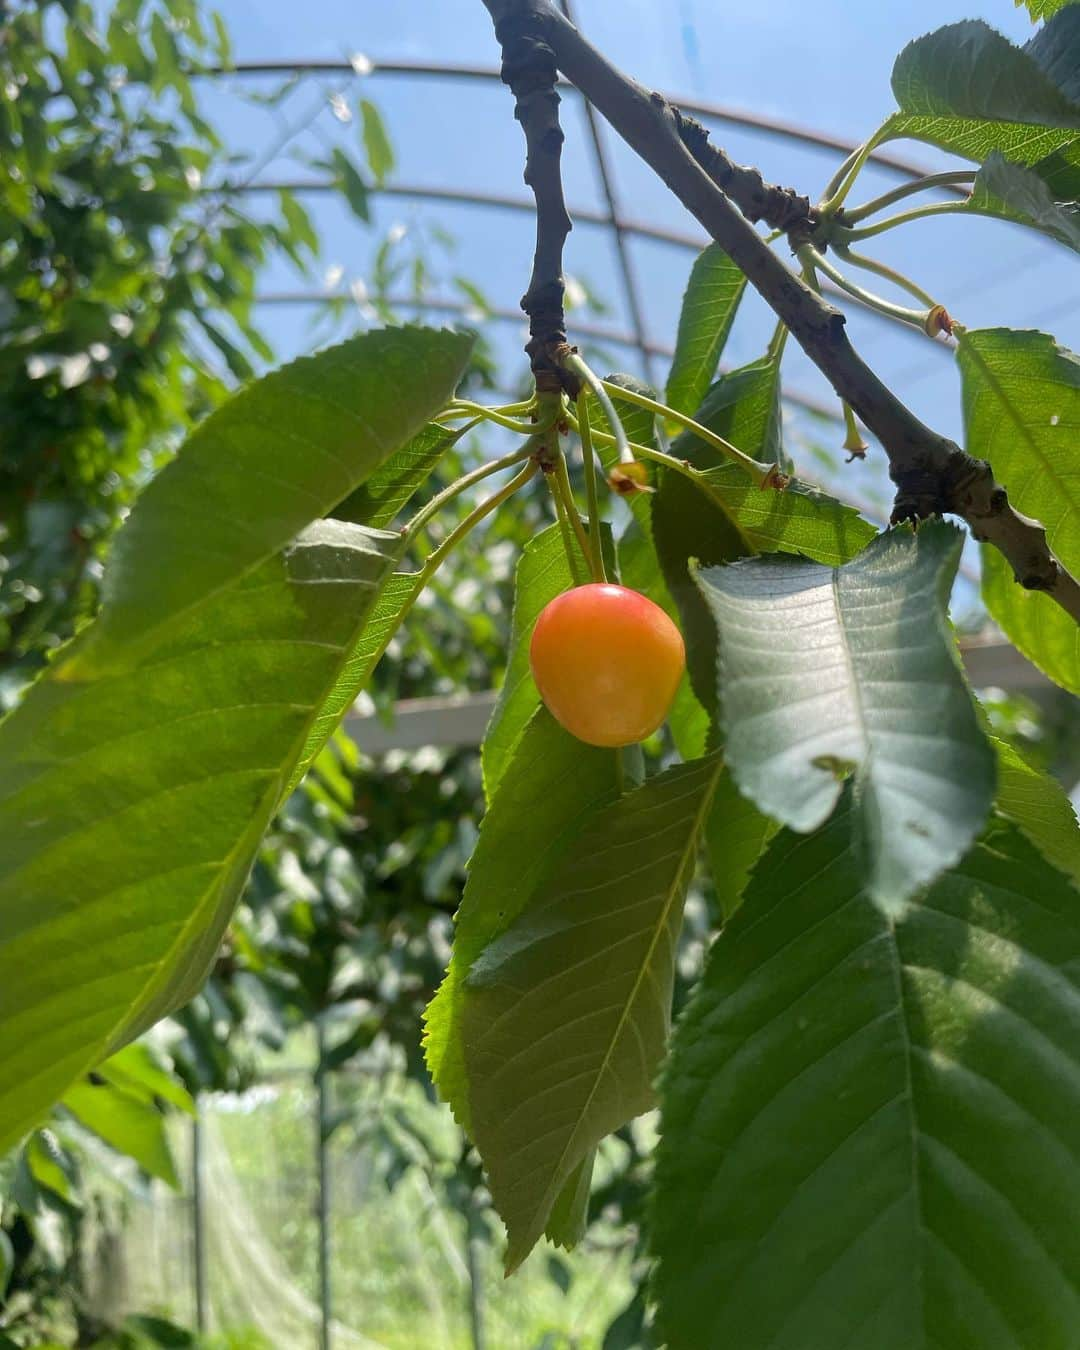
column 126, row 294
column 128, row 270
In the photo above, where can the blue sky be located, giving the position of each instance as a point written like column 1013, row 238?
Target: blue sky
column 825, row 65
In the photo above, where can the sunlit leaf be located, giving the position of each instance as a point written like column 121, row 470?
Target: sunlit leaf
column 380, row 152
column 708, row 310
column 736, row 834
column 132, row 803
column 1039, row 806
column 1033, row 623
column 379, row 499
column 273, row 458
column 825, row 673
column 127, row 1121
column 1022, row 413
column 966, row 88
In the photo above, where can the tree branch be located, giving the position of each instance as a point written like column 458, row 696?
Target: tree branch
column 932, row 474
column 780, row 208
column 528, row 67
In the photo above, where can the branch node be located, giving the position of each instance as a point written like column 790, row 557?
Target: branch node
column 779, row 207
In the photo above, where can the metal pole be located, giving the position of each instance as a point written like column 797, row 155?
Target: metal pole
column 626, row 266
column 322, row 1115
column 474, row 1245
column 202, row 1319
column 717, row 112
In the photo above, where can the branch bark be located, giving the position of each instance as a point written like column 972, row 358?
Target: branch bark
column 758, row 199
column 932, row 474
column 528, row 67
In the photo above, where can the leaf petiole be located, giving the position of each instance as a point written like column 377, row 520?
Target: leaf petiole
column 918, row 318
column 763, row 474
column 438, row 555
column 600, row 389
column 467, row 480
column 596, row 556
column 480, row 410
column 772, row 477
column 561, row 484
column 950, row 178
column 573, row 557
column 882, row 270
column 916, row 213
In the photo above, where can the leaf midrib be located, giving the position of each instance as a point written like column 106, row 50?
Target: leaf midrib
column 1025, row 433
column 897, row 970
column 661, row 924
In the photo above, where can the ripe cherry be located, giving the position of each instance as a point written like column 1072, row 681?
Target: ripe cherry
column 607, row 662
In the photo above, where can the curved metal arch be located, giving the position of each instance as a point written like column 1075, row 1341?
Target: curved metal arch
column 503, row 314
column 714, row 112
column 523, row 205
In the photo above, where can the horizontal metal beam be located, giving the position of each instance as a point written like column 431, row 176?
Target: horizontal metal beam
column 501, row 201
column 447, row 723
column 715, row 112
column 452, row 723
column 501, row 314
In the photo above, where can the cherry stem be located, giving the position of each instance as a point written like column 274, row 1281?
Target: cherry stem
column 480, row 410
column 588, row 454
column 918, row 318
column 572, row 557
column 904, row 217
column 880, row 269
column 562, row 486
column 774, row 478
column 466, row 480
column 438, row 556
column 599, row 388
column 761, row 473
column 950, row 178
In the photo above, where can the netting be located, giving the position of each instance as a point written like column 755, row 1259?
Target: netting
column 399, row 1271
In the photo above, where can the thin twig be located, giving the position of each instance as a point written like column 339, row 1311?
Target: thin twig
column 528, row 67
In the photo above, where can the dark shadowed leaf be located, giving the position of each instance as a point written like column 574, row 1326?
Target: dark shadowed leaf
column 352, row 185
column 551, row 784
column 1021, row 195
column 871, row 1128
column 567, row 1012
